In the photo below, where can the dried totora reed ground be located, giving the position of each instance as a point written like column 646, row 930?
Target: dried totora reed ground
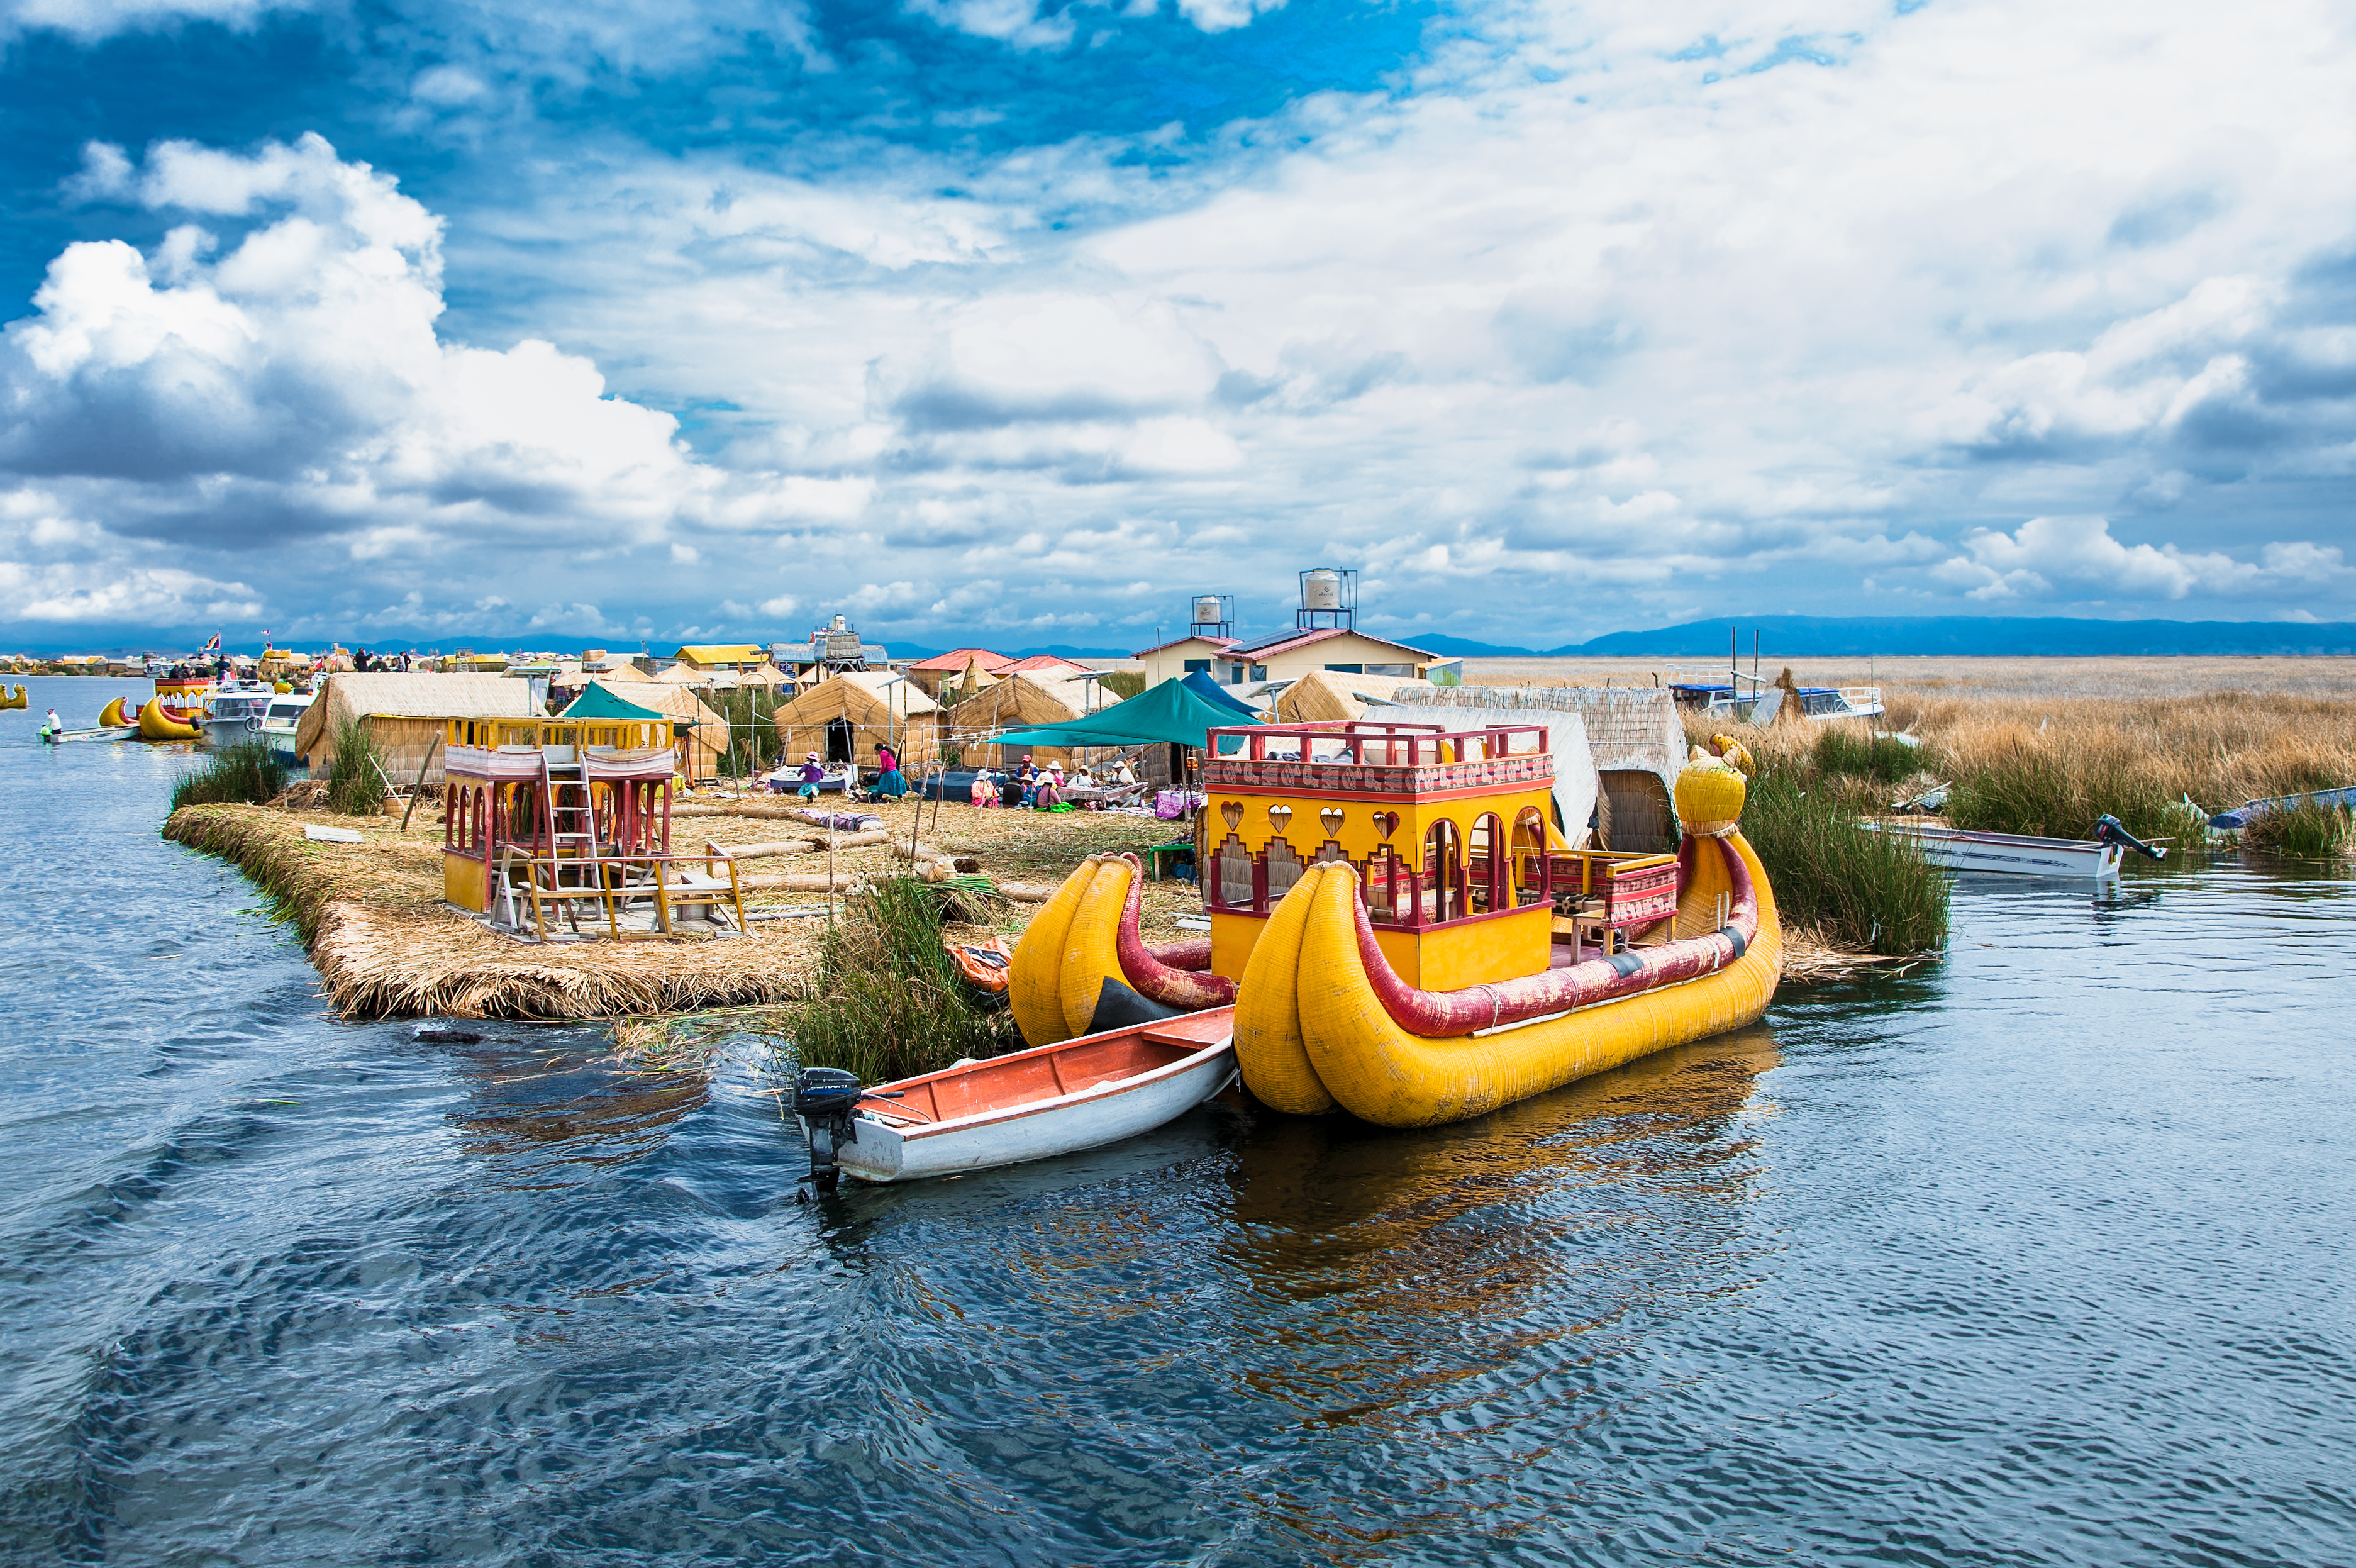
column 386, row 945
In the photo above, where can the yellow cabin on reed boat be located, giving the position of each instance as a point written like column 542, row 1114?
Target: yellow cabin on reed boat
column 1448, row 830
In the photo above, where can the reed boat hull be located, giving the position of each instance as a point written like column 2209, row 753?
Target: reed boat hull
column 1313, row 1024
column 2007, row 854
column 1016, row 1108
column 1087, row 934
column 158, row 723
column 2248, row 811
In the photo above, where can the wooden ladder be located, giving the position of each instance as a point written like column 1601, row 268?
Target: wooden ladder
column 570, row 823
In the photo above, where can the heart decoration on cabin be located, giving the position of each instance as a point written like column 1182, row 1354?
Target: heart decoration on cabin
column 1388, row 822
column 1279, row 816
column 1232, row 813
column 1332, row 817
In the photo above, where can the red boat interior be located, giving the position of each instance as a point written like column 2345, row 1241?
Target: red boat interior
column 1029, row 1078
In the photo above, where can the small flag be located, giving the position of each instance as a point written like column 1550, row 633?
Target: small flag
column 214, row 646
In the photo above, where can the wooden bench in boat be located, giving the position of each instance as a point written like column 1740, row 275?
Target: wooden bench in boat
column 1024, row 1079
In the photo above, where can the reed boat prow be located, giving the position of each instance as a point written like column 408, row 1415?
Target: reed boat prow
column 1050, row 1100
column 1538, row 1034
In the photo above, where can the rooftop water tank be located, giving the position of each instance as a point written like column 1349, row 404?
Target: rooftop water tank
column 1207, row 610
column 1320, row 589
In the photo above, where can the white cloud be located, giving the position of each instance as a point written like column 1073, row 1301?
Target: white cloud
column 2048, row 554
column 92, row 19
column 156, row 595
column 286, row 383
column 1552, row 325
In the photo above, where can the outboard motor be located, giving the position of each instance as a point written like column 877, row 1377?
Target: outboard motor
column 2110, row 829
column 825, row 1099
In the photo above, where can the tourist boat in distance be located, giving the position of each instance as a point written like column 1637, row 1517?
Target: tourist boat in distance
column 237, row 711
column 55, row 733
column 1753, row 700
column 2021, row 854
column 281, row 720
column 1027, row 1105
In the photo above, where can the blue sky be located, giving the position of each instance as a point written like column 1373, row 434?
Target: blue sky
column 407, row 321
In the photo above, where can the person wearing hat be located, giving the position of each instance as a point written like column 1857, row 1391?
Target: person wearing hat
column 812, row 771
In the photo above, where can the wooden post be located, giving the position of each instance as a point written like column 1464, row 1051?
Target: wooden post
column 422, row 769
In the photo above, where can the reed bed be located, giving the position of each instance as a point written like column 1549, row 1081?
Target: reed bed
column 2052, row 768
column 2303, row 832
column 249, row 772
column 356, row 784
column 887, row 1002
column 1868, row 891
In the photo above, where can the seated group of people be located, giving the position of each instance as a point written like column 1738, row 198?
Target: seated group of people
column 889, row 784
column 1041, row 789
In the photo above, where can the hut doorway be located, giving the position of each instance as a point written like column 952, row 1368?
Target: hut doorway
column 841, row 742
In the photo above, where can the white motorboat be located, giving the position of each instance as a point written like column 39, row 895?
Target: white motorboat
column 233, row 712
column 281, row 720
column 1026, row 1105
column 2018, row 854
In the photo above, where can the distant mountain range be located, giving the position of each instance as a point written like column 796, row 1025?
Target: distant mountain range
column 1798, row 637
column 1780, row 636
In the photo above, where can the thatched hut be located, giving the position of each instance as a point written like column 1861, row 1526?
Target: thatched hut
column 1018, row 700
column 844, row 717
column 405, row 715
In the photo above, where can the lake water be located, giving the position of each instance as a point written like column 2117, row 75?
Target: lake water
column 2040, row 1257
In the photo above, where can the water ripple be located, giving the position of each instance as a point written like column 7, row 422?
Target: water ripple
column 2037, row 1256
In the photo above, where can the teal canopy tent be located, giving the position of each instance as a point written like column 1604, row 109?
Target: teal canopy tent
column 596, row 702
column 1203, row 686
column 1172, row 712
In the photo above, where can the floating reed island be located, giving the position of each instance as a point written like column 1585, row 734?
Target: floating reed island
column 387, row 943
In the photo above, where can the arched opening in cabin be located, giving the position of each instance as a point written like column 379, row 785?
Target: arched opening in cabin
column 1528, row 852
column 1383, row 877
column 841, row 740
column 1232, row 879
column 1443, row 872
column 1489, row 887
column 1283, row 870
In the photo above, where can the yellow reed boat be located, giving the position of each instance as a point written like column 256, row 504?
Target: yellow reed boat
column 158, row 723
column 1409, row 936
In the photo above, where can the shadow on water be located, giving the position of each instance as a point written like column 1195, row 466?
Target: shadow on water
column 538, row 1100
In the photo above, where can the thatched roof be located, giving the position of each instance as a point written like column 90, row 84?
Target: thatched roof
column 417, row 695
column 1631, row 728
column 1020, row 699
column 1326, row 695
column 874, row 710
column 856, row 695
